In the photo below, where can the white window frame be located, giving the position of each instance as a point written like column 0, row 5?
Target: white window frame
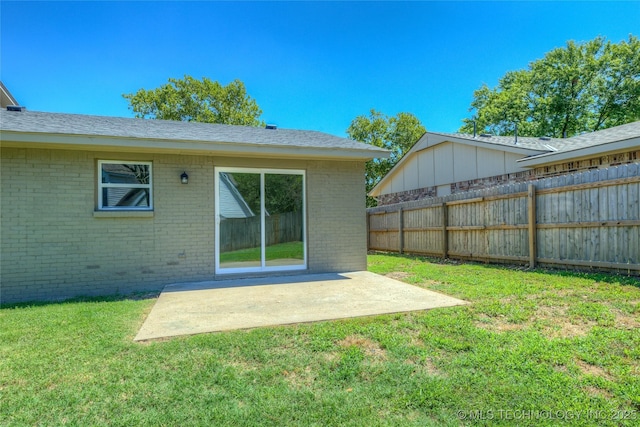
column 263, row 267
column 103, row 185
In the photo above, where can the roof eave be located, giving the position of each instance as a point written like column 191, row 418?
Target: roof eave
column 170, row 146
column 579, row 153
column 514, row 148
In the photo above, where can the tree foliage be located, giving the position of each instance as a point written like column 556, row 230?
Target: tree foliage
column 195, row 100
column 578, row 88
column 397, row 134
column 283, row 192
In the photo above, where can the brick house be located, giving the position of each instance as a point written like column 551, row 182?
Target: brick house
column 96, row 205
column 440, row 164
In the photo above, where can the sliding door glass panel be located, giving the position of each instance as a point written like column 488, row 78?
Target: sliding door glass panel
column 283, row 222
column 240, row 223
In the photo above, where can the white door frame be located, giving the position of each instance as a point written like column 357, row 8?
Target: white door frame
column 263, row 267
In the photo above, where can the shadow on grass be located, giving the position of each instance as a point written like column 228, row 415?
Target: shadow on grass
column 596, row 276
column 134, row 296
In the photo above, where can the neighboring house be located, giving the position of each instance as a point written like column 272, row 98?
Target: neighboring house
column 234, row 204
column 95, row 205
column 440, row 164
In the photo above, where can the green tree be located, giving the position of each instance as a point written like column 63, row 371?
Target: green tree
column 195, row 100
column 397, row 134
column 579, row 88
column 283, row 192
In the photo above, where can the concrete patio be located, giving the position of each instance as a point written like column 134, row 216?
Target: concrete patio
column 194, row 308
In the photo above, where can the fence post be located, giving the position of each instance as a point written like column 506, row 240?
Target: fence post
column 445, row 238
column 400, row 231
column 531, row 204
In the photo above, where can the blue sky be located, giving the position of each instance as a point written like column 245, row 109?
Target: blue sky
column 309, row 65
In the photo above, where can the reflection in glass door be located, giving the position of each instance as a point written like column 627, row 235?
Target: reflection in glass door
column 239, row 213
column 284, row 241
column 259, row 220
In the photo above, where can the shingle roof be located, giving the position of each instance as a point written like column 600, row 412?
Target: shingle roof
column 605, row 136
column 591, row 139
column 600, row 141
column 85, row 125
column 540, row 144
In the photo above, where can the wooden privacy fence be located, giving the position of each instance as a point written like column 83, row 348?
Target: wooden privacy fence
column 590, row 219
column 242, row 233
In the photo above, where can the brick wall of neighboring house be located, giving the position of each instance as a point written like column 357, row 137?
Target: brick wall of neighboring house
column 54, row 245
column 507, row 178
column 407, row 196
column 595, row 163
column 523, row 176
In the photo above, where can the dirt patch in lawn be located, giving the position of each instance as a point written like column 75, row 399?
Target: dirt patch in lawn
column 625, row 321
column 426, row 365
column 589, row 369
column 369, row 347
column 299, row 377
column 598, row 392
column 555, row 322
column 551, row 321
column 570, row 330
column 414, row 335
column 497, row 324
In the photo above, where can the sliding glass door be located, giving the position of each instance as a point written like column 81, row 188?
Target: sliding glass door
column 260, row 220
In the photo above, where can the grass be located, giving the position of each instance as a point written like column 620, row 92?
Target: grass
column 289, row 250
column 532, row 348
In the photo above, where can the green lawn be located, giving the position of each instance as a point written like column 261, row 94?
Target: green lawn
column 533, row 348
column 289, row 250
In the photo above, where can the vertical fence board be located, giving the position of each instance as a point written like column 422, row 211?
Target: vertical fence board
column 445, row 236
column 578, row 225
column 531, row 199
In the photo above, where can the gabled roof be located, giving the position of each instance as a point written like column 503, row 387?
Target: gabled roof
column 525, row 146
column 535, row 151
column 84, row 131
column 232, row 204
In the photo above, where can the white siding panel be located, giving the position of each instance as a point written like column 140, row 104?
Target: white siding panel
column 397, row 182
column 386, row 188
column 464, row 162
column 443, row 163
column 411, row 174
column 510, row 162
column 232, row 205
column 490, row 163
column 427, row 177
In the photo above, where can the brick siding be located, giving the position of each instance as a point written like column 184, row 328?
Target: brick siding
column 53, row 246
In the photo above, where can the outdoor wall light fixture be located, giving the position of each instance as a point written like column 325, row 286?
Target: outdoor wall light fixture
column 184, row 178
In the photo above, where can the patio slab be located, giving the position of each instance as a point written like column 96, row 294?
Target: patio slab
column 194, row 308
